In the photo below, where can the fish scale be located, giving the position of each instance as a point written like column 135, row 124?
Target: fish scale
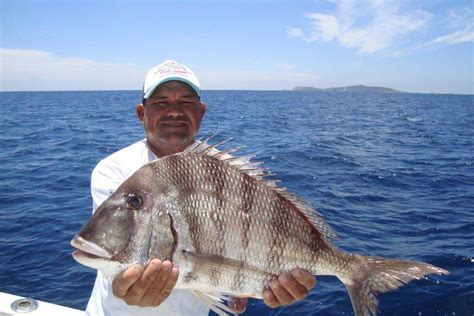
column 229, row 231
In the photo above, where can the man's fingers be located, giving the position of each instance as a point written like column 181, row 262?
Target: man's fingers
column 295, row 289
column 148, row 286
column 139, row 288
column 304, row 278
column 289, row 287
column 282, row 295
column 122, row 283
column 150, row 274
column 168, row 286
column 238, row 304
column 152, row 290
column 269, row 299
column 153, row 294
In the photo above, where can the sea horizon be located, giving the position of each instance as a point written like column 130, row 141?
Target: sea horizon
column 262, row 90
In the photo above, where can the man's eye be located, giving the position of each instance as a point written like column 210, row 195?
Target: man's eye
column 157, row 104
column 134, row 202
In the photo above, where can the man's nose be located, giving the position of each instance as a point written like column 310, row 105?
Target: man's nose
column 174, row 109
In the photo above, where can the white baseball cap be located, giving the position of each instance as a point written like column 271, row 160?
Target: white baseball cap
column 168, row 71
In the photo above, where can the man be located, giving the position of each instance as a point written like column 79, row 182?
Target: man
column 171, row 114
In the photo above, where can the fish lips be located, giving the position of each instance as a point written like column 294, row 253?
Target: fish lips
column 93, row 256
column 88, row 249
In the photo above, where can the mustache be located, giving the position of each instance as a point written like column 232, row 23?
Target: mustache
column 170, row 119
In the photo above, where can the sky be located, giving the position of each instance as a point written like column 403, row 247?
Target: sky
column 409, row 45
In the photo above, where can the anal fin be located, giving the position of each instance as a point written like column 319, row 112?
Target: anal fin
column 215, row 302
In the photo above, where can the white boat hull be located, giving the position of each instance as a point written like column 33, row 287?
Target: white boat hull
column 42, row 309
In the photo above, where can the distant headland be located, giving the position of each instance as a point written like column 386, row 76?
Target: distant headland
column 359, row 88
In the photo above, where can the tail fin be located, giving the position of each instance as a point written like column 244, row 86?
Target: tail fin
column 374, row 275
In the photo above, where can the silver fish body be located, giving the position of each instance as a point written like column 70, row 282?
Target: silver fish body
column 228, row 229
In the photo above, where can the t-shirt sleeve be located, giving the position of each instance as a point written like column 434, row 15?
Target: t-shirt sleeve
column 105, row 179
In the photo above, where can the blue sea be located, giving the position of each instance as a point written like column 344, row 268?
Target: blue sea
column 393, row 174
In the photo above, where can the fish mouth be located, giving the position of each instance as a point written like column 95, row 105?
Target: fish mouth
column 88, row 249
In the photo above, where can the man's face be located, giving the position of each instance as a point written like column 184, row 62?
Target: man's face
column 171, row 117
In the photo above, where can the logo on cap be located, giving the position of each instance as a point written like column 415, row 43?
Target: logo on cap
column 172, row 67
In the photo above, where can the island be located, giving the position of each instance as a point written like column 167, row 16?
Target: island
column 358, row 88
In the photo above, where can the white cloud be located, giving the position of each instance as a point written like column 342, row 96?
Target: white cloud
column 462, row 36
column 294, row 32
column 324, row 27
column 28, row 69
column 36, row 70
column 462, row 31
column 254, row 80
column 459, row 19
column 367, row 26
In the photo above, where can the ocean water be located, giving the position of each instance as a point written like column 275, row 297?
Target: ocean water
column 393, row 174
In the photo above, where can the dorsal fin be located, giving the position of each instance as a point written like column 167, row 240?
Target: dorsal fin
column 244, row 165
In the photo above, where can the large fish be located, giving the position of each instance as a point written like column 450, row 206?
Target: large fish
column 228, row 230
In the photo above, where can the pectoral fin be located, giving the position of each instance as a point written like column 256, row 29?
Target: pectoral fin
column 210, row 264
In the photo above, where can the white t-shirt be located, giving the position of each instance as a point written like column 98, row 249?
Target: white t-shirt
column 107, row 176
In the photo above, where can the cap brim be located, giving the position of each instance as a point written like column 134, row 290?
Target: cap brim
column 153, row 88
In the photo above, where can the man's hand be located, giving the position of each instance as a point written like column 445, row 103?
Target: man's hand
column 146, row 286
column 288, row 288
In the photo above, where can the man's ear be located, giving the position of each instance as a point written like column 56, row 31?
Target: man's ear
column 140, row 111
column 202, row 109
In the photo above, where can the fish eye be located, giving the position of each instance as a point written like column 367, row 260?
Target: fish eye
column 134, row 202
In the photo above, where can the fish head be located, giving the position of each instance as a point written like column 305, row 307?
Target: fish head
column 120, row 231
